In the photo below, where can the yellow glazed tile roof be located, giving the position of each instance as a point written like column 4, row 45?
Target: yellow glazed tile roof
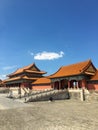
column 27, row 69
column 42, row 80
column 73, row 69
column 19, row 78
column 37, row 72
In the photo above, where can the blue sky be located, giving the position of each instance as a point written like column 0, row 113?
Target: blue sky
column 49, row 33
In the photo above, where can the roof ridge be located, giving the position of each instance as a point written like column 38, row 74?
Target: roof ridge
column 89, row 62
column 22, row 68
column 28, row 66
column 72, row 69
column 55, row 72
column 77, row 63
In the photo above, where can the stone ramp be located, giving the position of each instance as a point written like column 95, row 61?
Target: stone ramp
column 50, row 95
column 33, row 94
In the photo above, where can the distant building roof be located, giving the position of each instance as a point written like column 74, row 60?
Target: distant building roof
column 42, row 80
column 30, row 68
column 19, row 78
column 85, row 67
column 30, row 73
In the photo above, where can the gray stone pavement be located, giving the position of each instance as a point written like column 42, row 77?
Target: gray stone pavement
column 56, row 115
column 8, row 103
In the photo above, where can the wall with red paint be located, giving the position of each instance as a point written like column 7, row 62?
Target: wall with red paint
column 92, row 86
column 41, row 87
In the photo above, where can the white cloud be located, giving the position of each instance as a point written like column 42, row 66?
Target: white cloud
column 9, row 67
column 48, row 55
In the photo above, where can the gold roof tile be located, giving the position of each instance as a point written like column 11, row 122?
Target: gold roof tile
column 42, row 80
column 27, row 69
column 73, row 69
column 19, row 78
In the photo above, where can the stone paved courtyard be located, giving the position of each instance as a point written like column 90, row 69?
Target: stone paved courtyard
column 56, row 115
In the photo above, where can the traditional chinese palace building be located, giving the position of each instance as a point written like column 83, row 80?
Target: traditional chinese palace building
column 74, row 76
column 23, row 77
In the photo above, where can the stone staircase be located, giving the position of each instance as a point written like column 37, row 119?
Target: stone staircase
column 16, row 92
column 48, row 95
column 28, row 95
column 25, row 91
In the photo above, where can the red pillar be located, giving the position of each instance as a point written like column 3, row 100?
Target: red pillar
column 68, row 84
column 52, row 85
column 59, row 85
column 83, row 83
